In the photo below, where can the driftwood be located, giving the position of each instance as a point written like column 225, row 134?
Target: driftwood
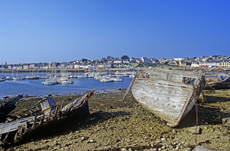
column 48, row 112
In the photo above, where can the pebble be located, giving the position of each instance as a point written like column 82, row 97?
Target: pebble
column 55, row 143
column 91, row 141
column 163, row 139
column 188, row 149
column 174, row 143
column 66, row 147
column 201, row 148
column 158, row 141
column 181, row 147
column 174, row 131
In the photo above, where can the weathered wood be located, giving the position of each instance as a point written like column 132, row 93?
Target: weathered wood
column 35, row 120
column 217, row 81
column 42, row 119
column 48, row 113
column 7, row 134
column 10, row 105
column 130, row 86
column 165, row 93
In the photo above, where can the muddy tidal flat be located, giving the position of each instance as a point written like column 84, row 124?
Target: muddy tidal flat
column 114, row 125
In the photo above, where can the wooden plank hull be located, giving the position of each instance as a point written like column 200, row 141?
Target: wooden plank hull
column 217, row 81
column 49, row 113
column 164, row 96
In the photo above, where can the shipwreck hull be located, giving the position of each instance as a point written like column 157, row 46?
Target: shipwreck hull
column 217, row 81
column 166, row 94
column 48, row 114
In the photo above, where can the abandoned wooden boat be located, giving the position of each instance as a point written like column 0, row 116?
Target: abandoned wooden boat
column 219, row 81
column 8, row 107
column 43, row 113
column 168, row 94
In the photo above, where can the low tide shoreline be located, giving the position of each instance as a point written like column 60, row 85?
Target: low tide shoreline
column 117, row 125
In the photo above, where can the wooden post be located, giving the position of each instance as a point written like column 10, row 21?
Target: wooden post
column 131, row 84
column 26, row 126
column 55, row 114
column 20, row 130
column 42, row 119
column 35, row 120
column 203, row 98
column 15, row 136
column 6, row 137
column 50, row 113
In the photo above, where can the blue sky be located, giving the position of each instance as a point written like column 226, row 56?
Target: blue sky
column 58, row 30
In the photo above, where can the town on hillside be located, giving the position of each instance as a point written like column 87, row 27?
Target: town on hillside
column 215, row 61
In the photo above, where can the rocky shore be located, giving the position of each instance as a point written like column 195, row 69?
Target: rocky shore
column 120, row 126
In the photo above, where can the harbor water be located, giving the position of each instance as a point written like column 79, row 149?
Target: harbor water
column 35, row 87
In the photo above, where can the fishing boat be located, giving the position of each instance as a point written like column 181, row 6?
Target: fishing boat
column 81, row 76
column 168, row 94
column 218, row 81
column 9, row 78
column 67, row 81
column 45, row 112
column 32, row 77
column 106, row 79
column 50, row 81
column 1, row 80
column 116, row 79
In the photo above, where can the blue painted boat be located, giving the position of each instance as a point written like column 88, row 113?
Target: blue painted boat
column 219, row 81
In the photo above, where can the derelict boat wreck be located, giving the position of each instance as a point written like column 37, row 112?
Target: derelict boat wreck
column 218, row 81
column 43, row 113
column 169, row 94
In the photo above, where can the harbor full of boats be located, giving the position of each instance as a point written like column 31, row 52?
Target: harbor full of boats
column 63, row 77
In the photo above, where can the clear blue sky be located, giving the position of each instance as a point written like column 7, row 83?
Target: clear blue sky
column 59, row 30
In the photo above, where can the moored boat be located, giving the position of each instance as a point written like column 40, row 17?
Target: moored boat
column 50, row 81
column 32, row 77
column 116, row 79
column 1, row 80
column 168, row 94
column 106, row 79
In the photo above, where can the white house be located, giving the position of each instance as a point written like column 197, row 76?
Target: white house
column 117, row 61
column 195, row 65
column 145, row 59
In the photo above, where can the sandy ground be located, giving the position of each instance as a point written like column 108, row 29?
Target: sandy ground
column 116, row 125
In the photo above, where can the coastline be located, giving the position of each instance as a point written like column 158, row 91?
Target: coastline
column 117, row 125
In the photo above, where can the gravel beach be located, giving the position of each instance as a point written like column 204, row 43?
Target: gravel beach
column 120, row 126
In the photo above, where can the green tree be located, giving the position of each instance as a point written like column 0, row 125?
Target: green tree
column 84, row 60
column 124, row 57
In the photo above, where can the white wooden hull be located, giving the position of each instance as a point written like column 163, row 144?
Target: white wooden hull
column 166, row 98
